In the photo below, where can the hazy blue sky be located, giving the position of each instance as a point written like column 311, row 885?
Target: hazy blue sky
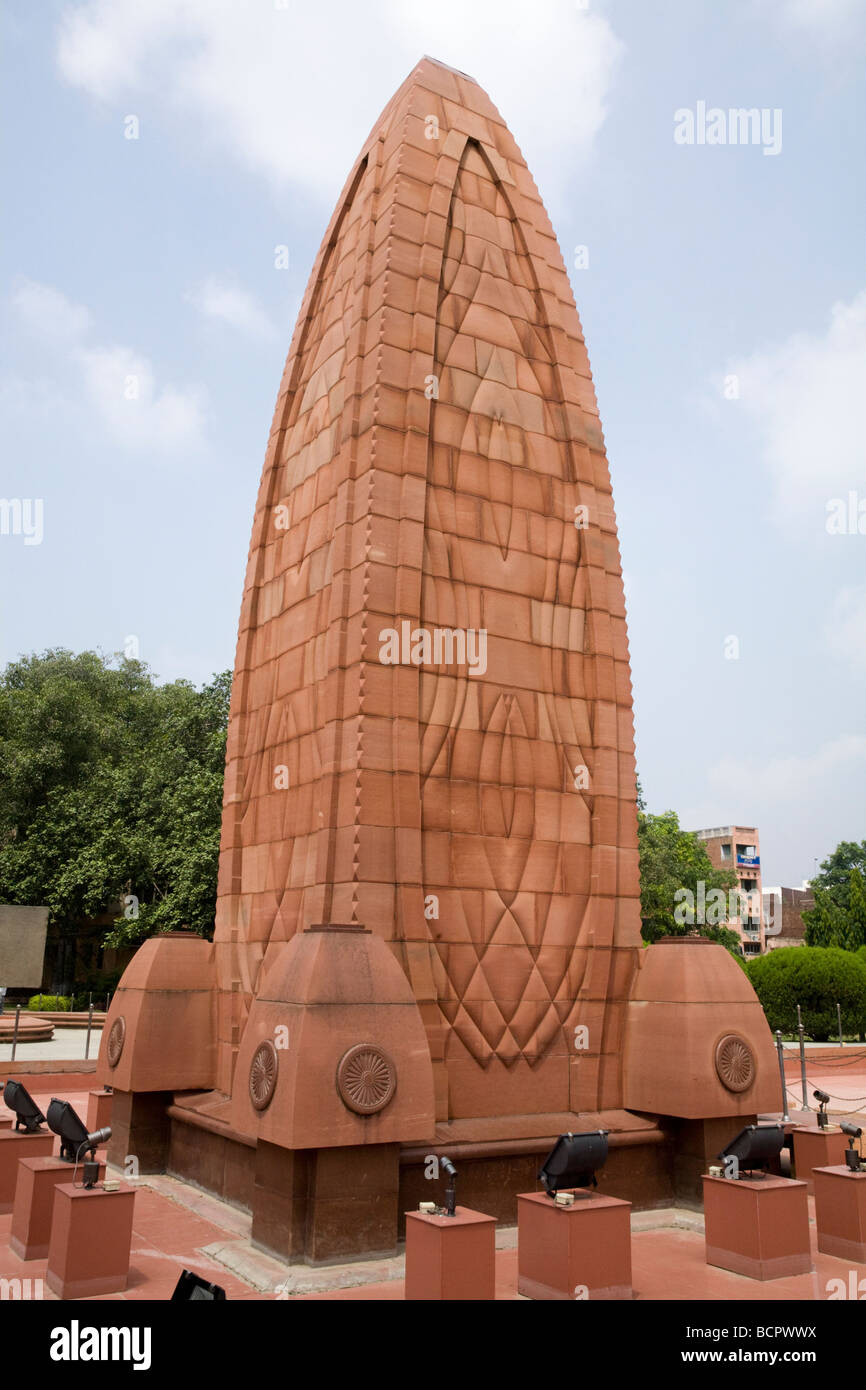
column 724, row 305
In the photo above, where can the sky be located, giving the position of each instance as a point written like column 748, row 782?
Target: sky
column 170, row 168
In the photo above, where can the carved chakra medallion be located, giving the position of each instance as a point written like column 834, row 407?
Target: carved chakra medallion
column 735, row 1063
column 116, row 1039
column 263, row 1075
column 366, row 1079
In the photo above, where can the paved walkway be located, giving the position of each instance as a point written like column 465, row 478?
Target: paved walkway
column 67, row 1045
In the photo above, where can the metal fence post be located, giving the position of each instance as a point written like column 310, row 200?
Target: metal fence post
column 781, row 1056
column 89, row 1026
column 15, row 1032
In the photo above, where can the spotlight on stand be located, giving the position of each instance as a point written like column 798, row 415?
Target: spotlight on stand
column 28, row 1116
column 451, row 1189
column 574, row 1161
column 853, row 1158
column 191, row 1288
column 754, row 1147
column 74, row 1138
column 823, row 1101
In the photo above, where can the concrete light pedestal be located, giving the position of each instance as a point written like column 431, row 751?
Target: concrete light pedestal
column 758, row 1227
column 840, row 1213
column 91, row 1236
column 99, row 1105
column 13, row 1147
column 817, row 1148
column 581, row 1251
column 34, row 1204
column 450, row 1258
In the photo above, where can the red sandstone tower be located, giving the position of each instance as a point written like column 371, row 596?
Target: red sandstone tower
column 428, row 923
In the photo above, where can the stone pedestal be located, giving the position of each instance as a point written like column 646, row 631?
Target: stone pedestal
column 840, row 1213
column 581, row 1251
column 817, row 1148
column 34, row 1203
column 91, row 1236
column 757, row 1226
column 99, row 1106
column 140, row 1126
column 6, row 1122
column 323, row 1205
column 450, row 1257
column 13, row 1147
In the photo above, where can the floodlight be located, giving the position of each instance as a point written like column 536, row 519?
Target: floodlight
column 824, row 1101
column 74, row 1138
column 28, row 1116
column 754, row 1147
column 191, row 1288
column 574, row 1161
column 451, row 1189
column 853, row 1158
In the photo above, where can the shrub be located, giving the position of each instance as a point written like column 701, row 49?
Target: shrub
column 816, row 978
column 50, row 1003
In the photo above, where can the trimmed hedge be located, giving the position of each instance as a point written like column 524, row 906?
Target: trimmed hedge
column 50, row 1003
column 816, row 978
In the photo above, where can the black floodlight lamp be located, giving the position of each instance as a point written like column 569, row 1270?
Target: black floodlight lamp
column 191, row 1288
column 451, row 1189
column 74, row 1137
column 574, row 1161
column 28, row 1116
column 823, row 1101
column 754, row 1147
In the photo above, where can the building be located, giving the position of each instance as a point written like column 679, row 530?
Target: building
column 737, row 847
column 783, row 915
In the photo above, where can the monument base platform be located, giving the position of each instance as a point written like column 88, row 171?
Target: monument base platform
column 653, row 1162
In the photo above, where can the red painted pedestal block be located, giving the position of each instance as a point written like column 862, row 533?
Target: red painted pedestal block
column 573, row 1252
column 840, row 1213
column 99, row 1109
column 34, row 1203
column 91, row 1235
column 817, row 1148
column 14, row 1146
column 6, row 1123
column 757, row 1226
column 450, row 1257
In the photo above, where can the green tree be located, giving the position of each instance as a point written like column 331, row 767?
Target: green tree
column 856, row 911
column 110, row 790
column 673, row 863
column 839, row 915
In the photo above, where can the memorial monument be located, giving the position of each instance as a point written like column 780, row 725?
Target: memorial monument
column 428, row 923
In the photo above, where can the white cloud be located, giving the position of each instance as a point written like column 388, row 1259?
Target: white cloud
column 117, row 382
column 845, row 631
column 217, row 299
column 291, row 92
column 820, row 15
column 781, row 779
column 807, row 400
column 49, row 314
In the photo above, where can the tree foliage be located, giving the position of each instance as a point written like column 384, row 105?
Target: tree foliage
column 816, row 979
column 839, row 915
column 110, row 788
column 674, row 861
